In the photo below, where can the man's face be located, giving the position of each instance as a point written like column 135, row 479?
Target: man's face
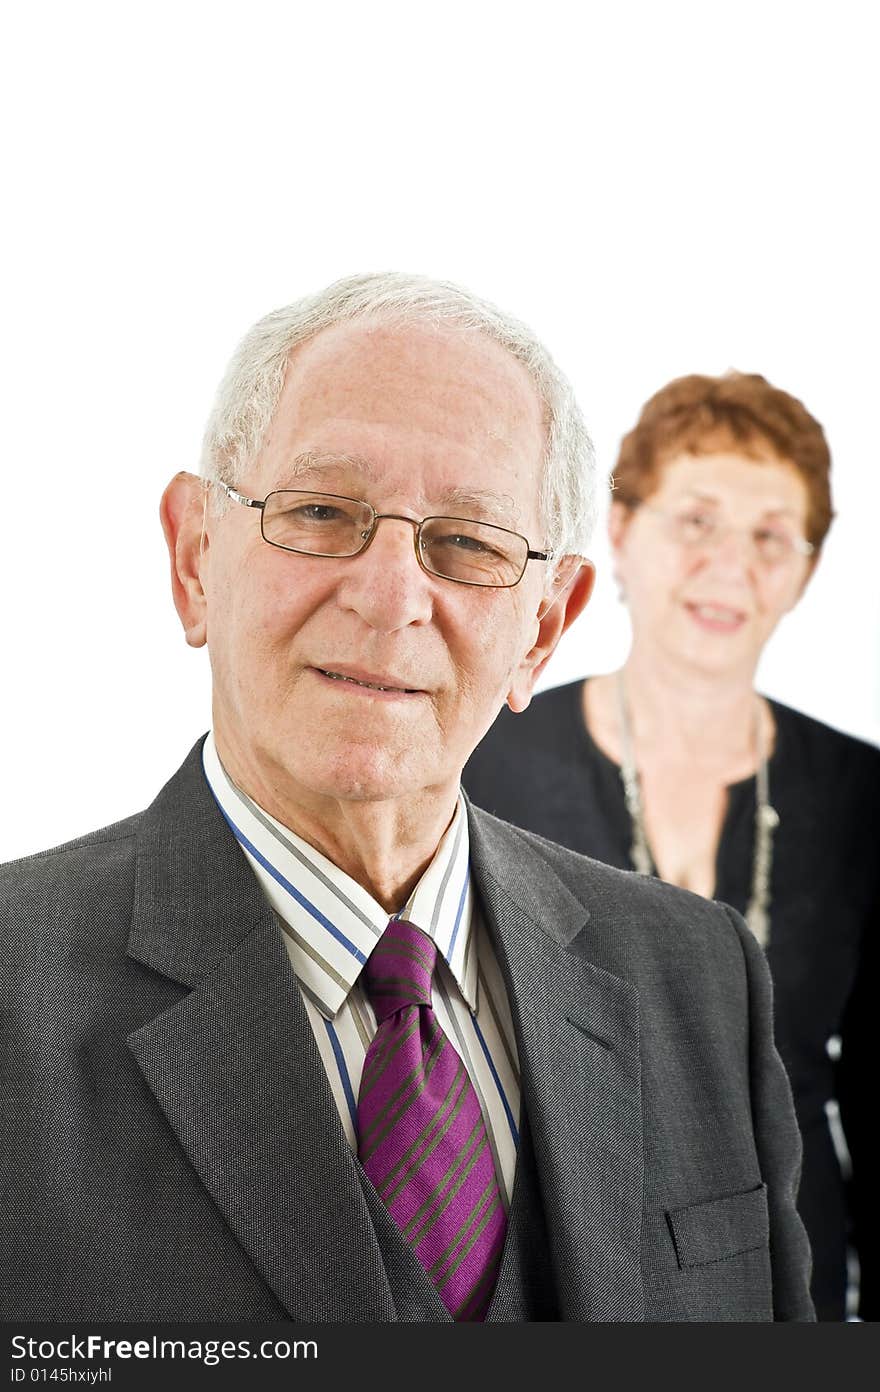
column 416, row 421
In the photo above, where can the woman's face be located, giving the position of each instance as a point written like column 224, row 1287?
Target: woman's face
column 710, row 562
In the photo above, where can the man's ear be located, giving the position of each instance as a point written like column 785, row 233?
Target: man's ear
column 572, row 587
column 183, row 512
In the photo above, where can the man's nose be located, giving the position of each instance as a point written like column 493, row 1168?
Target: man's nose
column 385, row 584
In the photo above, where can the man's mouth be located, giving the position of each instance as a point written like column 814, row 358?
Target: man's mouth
column 369, row 685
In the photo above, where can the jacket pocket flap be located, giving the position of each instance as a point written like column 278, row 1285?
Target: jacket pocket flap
column 720, row 1228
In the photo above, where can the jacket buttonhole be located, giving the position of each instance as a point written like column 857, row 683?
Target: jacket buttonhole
column 596, row 1038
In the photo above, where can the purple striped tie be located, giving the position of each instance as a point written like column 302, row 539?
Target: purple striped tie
column 421, row 1135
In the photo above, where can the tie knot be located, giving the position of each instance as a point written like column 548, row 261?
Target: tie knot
column 400, row 969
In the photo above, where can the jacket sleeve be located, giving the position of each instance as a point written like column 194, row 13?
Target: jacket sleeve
column 777, row 1140
column 856, row 1082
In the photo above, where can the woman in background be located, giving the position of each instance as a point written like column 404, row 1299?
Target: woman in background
column 675, row 766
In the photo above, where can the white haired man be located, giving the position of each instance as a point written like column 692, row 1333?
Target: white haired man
column 312, row 1038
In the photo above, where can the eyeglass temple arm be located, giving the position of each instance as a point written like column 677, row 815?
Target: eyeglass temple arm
column 541, row 555
column 240, row 497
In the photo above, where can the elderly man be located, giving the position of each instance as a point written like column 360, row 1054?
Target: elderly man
column 313, row 1039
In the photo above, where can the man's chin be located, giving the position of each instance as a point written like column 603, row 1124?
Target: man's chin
column 363, row 775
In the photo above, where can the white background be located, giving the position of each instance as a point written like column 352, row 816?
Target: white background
column 656, row 188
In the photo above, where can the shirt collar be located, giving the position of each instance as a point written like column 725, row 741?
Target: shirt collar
column 330, row 923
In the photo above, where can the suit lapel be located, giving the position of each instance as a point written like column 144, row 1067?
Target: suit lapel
column 235, row 1067
column 577, row 1035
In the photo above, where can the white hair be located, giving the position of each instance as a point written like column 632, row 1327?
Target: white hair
column 249, row 392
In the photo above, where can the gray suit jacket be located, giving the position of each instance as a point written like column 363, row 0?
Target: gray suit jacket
column 171, row 1150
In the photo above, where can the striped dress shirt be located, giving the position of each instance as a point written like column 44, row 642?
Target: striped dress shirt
column 330, row 926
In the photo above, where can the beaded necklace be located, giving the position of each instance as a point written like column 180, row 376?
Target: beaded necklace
column 766, row 820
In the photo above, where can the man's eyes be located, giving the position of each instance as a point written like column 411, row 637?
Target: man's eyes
column 461, row 541
column 316, row 512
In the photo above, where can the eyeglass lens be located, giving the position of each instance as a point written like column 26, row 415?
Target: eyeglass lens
column 694, row 528
column 322, row 524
